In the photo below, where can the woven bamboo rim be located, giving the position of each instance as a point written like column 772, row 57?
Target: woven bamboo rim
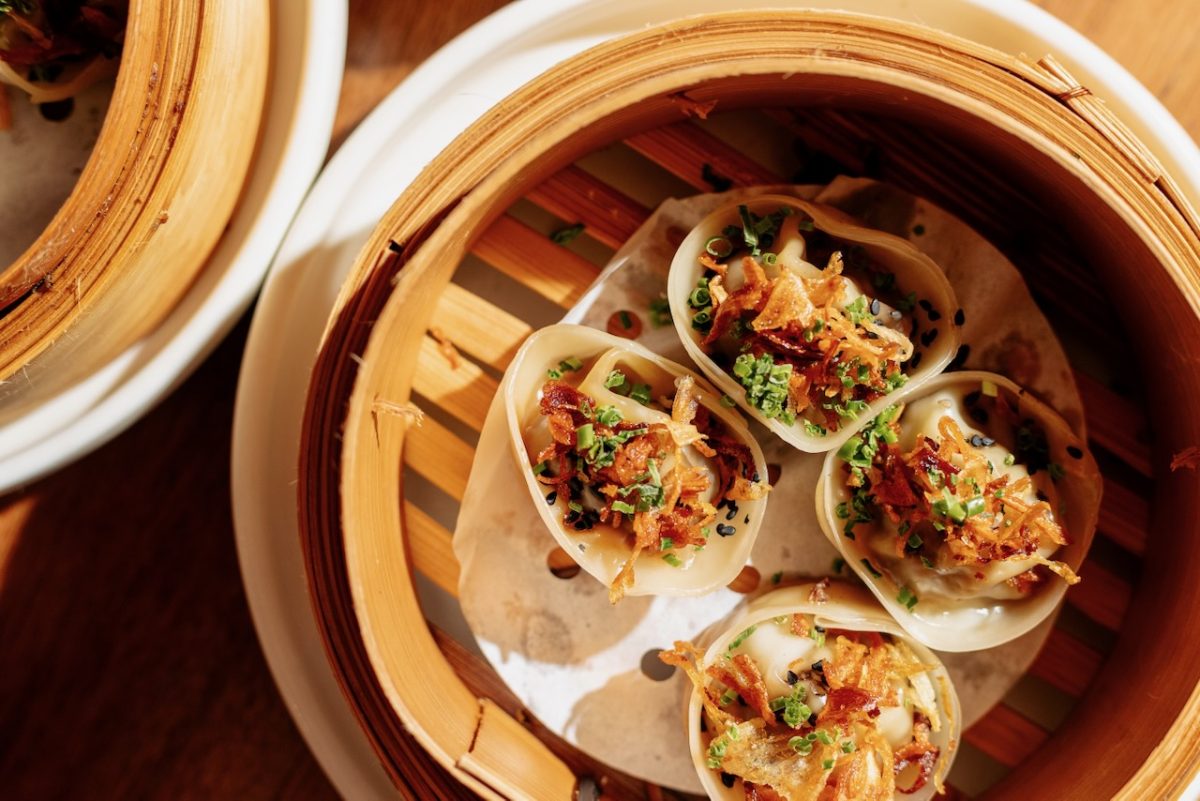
column 362, row 541
column 151, row 203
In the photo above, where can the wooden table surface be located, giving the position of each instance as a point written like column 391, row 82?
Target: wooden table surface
column 129, row 666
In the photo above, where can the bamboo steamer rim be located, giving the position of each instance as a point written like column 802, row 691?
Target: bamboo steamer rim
column 460, row 192
column 173, row 153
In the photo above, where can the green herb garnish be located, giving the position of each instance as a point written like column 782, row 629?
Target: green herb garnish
column 566, row 235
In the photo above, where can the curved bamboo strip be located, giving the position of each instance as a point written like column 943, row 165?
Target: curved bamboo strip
column 150, row 205
column 1121, row 216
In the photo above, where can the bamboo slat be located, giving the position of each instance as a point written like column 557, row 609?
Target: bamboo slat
column 1006, row 736
column 481, row 329
column 463, row 390
column 574, row 195
column 513, row 248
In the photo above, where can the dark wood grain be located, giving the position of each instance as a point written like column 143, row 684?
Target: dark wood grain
column 129, row 666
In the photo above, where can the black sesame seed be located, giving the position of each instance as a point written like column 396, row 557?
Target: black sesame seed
column 792, row 678
column 1075, row 453
column 812, row 719
column 552, row 497
column 875, row 306
column 754, row 479
column 728, row 779
column 959, row 317
column 926, row 305
column 746, row 519
column 733, row 510
column 779, row 716
column 972, row 398
column 979, row 415
column 915, row 362
column 726, row 531
column 703, row 724
column 819, row 666
column 929, row 336
column 980, row 441
column 935, row 315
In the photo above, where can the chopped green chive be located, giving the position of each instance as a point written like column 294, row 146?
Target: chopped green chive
column 565, row 235
column 672, row 560
column 741, row 638
column 777, row 577
column 766, row 384
column 728, row 402
column 718, row 247
column 623, row 508
column 838, row 565
column 641, row 394
column 857, row 310
column 827, row 764
column 800, row 745
column 660, row 312
column 975, row 506
column 871, row 568
column 585, row 437
column 1009, row 460
column 848, row 747
column 907, row 597
column 614, row 379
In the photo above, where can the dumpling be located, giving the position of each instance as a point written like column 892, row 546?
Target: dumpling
column 966, row 509
column 815, row 693
column 642, row 473
column 807, row 319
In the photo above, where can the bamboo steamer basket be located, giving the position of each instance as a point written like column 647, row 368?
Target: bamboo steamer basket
column 1003, row 142
column 155, row 196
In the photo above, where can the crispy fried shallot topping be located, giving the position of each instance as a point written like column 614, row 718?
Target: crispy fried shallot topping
column 945, row 496
column 634, row 477
column 830, row 354
column 783, row 752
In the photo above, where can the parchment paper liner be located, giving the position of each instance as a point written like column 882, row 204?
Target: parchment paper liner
column 572, row 658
